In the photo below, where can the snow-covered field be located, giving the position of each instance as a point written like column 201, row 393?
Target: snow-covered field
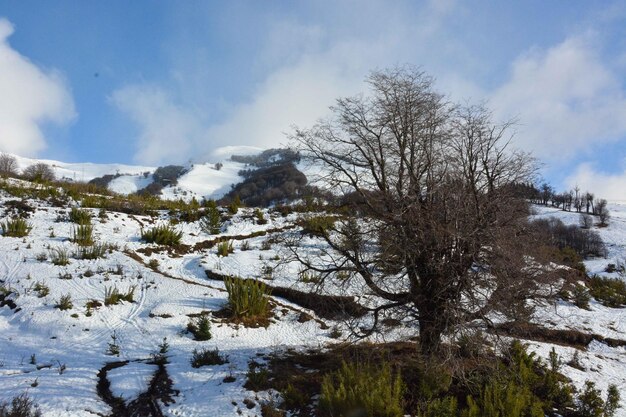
column 56, row 355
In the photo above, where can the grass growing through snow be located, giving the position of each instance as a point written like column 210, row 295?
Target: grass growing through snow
column 162, row 235
column 60, row 256
column 16, row 227
column 95, row 251
column 224, row 248
column 79, row 216
column 65, row 302
column 247, row 298
column 82, row 235
column 113, row 296
column 207, row 357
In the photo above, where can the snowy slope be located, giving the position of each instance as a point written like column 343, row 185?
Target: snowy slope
column 70, row 347
column 201, row 181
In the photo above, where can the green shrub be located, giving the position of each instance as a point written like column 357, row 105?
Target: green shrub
column 96, row 251
column 207, row 357
column 294, row 399
column 362, row 390
column 609, row 291
column 153, row 264
column 211, row 222
column 162, row 235
column 317, row 225
column 247, row 298
column 440, row 407
column 65, row 302
column 60, row 256
column 509, row 400
column 234, row 206
column 260, row 218
column 257, row 377
column 580, row 296
column 82, row 234
column 16, row 227
column 113, row 296
column 225, row 248
column 79, row 216
column 200, row 328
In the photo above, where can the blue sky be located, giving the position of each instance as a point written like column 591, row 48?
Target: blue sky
column 154, row 82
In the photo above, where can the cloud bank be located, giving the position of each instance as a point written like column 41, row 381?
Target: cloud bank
column 30, row 97
column 567, row 100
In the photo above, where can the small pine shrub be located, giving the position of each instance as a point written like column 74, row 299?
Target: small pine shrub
column 162, row 235
column 41, row 289
column 225, row 248
column 294, row 399
column 247, row 298
column 60, row 256
column 440, row 407
column 260, row 218
column 362, row 390
column 16, row 227
column 82, row 235
column 113, row 296
column 160, row 357
column 200, row 328
column 81, row 217
column 113, row 348
column 211, row 222
column 258, row 377
column 609, row 291
column 207, row 357
column 580, row 296
column 234, row 206
column 65, row 302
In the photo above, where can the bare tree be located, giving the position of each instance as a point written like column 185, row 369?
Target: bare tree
column 441, row 231
column 39, row 172
column 602, row 212
column 586, row 221
column 8, row 164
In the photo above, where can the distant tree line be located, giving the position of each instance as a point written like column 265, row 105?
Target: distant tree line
column 575, row 200
column 268, row 158
column 269, row 185
column 36, row 172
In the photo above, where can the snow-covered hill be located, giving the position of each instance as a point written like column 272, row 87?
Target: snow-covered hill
column 202, row 180
column 58, row 356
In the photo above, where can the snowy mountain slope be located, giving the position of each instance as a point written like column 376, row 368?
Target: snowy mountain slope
column 201, row 180
column 70, row 347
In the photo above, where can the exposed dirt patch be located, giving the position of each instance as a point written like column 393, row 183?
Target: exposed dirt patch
column 573, row 338
column 8, row 302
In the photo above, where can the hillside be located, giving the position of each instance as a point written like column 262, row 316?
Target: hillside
column 63, row 359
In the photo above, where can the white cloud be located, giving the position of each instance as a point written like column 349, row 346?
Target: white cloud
column 603, row 185
column 167, row 131
column 29, row 97
column 308, row 66
column 566, row 99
